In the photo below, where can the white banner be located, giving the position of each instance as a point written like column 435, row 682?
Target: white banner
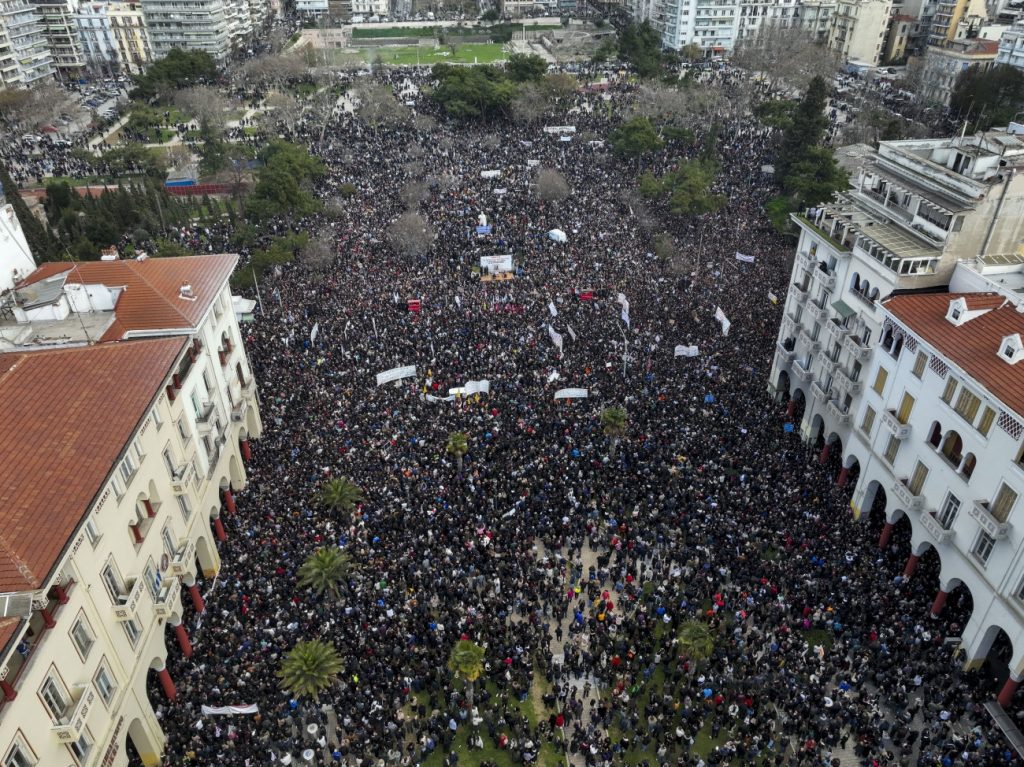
column 313, row 333
column 556, row 338
column 723, row 320
column 552, row 309
column 471, row 387
column 490, row 174
column 220, row 710
column 745, row 259
column 572, row 333
column 395, row 374
column 625, row 315
column 532, row 163
column 686, row 351
column 495, row 264
column 560, row 129
column 571, row 394
column 432, row 398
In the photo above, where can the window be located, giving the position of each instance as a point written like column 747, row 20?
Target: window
column 906, row 406
column 113, row 583
column 157, row 418
column 891, row 449
column 919, row 363
column 132, row 631
column 869, row 420
column 183, row 429
column 983, row 547
column 105, row 684
column 117, row 486
column 170, row 545
column 183, row 506
column 967, row 405
column 92, row 533
column 880, row 380
column 947, row 393
column 81, row 635
column 1003, row 503
column 81, row 747
column 152, row 579
column 55, row 697
column 917, row 478
column 128, row 468
column 947, row 514
column 987, row 417
column 19, row 756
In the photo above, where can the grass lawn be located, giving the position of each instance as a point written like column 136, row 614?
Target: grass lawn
column 468, row 53
column 364, row 33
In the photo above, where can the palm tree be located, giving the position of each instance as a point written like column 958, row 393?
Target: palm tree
column 309, row 668
column 458, row 445
column 695, row 640
column 340, row 494
column 325, row 570
column 613, row 422
column 467, row 661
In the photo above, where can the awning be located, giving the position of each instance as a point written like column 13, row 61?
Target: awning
column 843, row 309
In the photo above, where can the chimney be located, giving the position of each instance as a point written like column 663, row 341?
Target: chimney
column 187, row 293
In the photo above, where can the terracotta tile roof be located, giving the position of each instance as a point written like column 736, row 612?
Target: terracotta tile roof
column 974, row 346
column 66, row 417
column 152, row 298
column 8, row 628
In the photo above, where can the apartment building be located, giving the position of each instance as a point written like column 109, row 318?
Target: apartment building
column 61, row 32
column 24, row 55
column 104, row 568
column 1011, row 46
column 15, row 258
column 197, row 25
column 113, row 36
column 944, row 64
column 816, row 17
column 858, row 29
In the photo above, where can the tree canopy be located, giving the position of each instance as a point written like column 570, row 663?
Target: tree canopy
column 482, row 91
column 640, row 46
column 989, row 97
column 635, row 138
column 178, row 69
column 806, row 128
column 522, row 67
column 282, row 182
column 687, row 188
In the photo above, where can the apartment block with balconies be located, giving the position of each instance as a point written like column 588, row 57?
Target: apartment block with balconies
column 24, row 55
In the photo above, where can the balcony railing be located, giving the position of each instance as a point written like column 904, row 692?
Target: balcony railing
column 828, row 279
column 181, row 478
column 937, row 531
column 802, row 372
column 979, row 511
column 842, row 415
column 164, row 602
column 819, row 391
column 908, row 499
column 816, row 310
column 808, row 342
column 69, row 728
column 845, row 383
column 183, row 559
column 799, row 292
column 128, row 604
column 854, row 347
column 205, row 411
column 892, row 423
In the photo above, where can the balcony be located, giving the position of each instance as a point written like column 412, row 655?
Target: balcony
column 69, row 728
column 239, row 407
column 801, row 372
column 857, row 350
column 819, row 392
column 892, row 423
column 205, row 413
column 806, row 261
column 817, row 311
column 841, row 415
column 128, row 604
column 798, row 292
column 937, row 531
column 808, row 342
column 828, row 279
column 165, row 603
column 182, row 563
column 979, row 511
column 181, row 478
column 836, row 331
column 907, row 499
column 846, row 384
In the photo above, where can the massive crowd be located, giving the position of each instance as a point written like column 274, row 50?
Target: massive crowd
column 572, row 564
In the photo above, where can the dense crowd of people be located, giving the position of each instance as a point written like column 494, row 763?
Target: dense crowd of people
column 572, row 562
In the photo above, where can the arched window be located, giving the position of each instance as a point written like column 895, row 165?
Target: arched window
column 953, row 448
column 935, row 438
column 967, row 468
column 855, row 282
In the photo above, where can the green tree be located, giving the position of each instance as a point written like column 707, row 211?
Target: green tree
column 467, row 663
column 178, row 69
column 340, row 494
column 635, row 138
column 989, row 97
column 687, row 188
column 282, row 184
column 806, row 129
column 471, row 92
column 491, row 14
column 309, row 668
column 41, row 242
column 523, row 67
column 458, row 446
column 640, row 46
column 814, row 178
column 695, row 640
column 613, row 424
column 325, row 571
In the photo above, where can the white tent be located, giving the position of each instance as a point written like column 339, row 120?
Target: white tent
column 557, row 235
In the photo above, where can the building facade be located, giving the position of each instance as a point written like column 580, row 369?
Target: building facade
column 858, row 29
column 16, row 261
column 61, row 32
column 1011, row 46
column 114, row 38
column 24, row 55
column 196, row 25
column 944, row 64
column 90, row 606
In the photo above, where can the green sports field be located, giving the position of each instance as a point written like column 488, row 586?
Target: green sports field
column 467, row 53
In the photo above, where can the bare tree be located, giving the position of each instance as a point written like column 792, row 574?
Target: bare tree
column 424, row 123
column 272, row 69
column 551, row 185
column 689, row 108
column 31, row 108
column 317, row 255
column 788, row 57
column 410, row 234
column 415, row 169
column 281, row 107
column 560, row 85
column 413, row 193
column 530, row 104
column 378, row 106
column 208, row 105
column 490, row 141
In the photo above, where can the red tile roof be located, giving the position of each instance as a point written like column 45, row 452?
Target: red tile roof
column 152, row 296
column 67, row 415
column 973, row 346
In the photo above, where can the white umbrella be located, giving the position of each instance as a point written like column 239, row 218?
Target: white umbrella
column 557, row 235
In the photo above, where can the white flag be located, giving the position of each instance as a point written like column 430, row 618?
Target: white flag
column 625, row 315
column 572, row 332
column 745, row 259
column 621, row 300
column 556, row 338
column 552, row 309
column 723, row 320
column 686, row 351
column 313, row 333
column 458, row 300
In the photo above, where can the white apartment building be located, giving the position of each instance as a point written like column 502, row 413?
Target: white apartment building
column 113, row 36
column 940, row 431
column 816, row 17
column 16, row 261
column 24, row 55
column 1011, row 46
column 711, row 24
column 196, row 25
column 87, row 604
column 858, row 28
column 61, row 32
column 944, row 64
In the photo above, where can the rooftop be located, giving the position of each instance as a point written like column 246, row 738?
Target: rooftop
column 67, row 415
column 973, row 346
column 111, row 300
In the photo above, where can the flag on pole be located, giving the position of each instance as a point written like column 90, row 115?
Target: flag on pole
column 625, row 315
column 314, row 332
column 723, row 320
column 552, row 309
column 556, row 338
